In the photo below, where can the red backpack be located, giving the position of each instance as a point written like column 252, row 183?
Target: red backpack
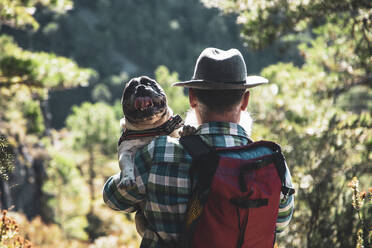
column 234, row 201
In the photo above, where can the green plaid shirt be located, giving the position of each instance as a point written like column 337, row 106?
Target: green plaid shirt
column 162, row 187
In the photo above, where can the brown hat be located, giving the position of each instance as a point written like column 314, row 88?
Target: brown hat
column 219, row 69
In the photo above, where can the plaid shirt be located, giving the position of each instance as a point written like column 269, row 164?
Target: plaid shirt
column 162, row 187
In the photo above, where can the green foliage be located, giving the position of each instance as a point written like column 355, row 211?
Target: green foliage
column 175, row 96
column 95, row 132
column 118, row 109
column 18, row 66
column 101, row 93
column 121, row 34
column 27, row 76
column 26, row 80
column 265, row 21
column 40, row 70
column 325, row 147
column 6, row 158
column 31, row 112
column 19, row 13
column 117, row 38
column 338, row 38
column 70, row 199
column 94, row 125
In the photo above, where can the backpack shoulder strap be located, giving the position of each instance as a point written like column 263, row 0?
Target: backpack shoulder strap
column 280, row 164
column 204, row 163
column 195, row 145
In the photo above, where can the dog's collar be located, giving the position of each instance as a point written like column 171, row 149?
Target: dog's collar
column 167, row 128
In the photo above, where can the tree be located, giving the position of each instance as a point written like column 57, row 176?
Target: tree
column 6, row 167
column 311, row 109
column 31, row 73
column 26, row 79
column 34, row 75
column 175, row 96
column 113, row 37
column 95, row 131
column 343, row 25
column 68, row 193
column 6, row 157
column 19, row 14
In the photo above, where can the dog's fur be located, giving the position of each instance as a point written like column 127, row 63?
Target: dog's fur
column 145, row 107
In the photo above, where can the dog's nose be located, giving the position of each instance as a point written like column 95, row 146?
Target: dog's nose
column 141, row 89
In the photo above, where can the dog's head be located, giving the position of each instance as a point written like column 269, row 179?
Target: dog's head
column 144, row 102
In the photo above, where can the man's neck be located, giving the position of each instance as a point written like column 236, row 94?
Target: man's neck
column 245, row 120
column 228, row 116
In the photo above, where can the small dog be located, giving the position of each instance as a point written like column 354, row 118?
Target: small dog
column 146, row 115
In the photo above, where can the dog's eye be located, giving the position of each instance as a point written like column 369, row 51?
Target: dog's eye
column 133, row 84
column 146, row 81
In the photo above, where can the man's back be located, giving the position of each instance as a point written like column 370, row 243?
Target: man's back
column 163, row 186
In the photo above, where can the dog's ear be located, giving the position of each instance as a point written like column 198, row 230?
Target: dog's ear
column 129, row 89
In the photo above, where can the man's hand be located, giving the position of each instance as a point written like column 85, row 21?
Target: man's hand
column 187, row 130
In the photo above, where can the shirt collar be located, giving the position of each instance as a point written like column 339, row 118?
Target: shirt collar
column 222, row 128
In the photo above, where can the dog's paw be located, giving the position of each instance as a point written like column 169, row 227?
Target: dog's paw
column 187, row 130
column 127, row 183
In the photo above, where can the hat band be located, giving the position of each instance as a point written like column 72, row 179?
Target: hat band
column 234, row 82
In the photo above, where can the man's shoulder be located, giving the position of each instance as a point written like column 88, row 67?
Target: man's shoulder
column 166, row 140
column 166, row 149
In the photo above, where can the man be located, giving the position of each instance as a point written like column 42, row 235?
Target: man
column 218, row 94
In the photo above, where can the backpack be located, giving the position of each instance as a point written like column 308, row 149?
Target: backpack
column 234, row 201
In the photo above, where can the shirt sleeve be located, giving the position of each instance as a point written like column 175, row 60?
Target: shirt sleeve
column 119, row 197
column 286, row 206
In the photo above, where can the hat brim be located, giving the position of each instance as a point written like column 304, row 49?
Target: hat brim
column 250, row 82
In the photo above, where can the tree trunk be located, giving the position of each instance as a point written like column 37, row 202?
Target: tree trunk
column 92, row 175
column 47, row 116
column 5, row 194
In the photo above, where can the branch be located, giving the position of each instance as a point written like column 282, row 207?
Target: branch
column 26, row 83
column 366, row 80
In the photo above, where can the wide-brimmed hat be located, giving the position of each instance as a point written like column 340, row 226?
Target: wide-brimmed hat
column 219, row 69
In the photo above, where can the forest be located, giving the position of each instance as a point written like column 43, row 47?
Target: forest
column 63, row 67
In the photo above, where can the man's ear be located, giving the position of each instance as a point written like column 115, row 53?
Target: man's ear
column 244, row 102
column 192, row 98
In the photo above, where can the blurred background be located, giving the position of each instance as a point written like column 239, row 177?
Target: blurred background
column 64, row 64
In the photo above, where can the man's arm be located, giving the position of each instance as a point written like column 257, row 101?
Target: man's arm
column 119, row 197
column 286, row 206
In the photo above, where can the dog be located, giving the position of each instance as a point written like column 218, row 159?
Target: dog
column 146, row 116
